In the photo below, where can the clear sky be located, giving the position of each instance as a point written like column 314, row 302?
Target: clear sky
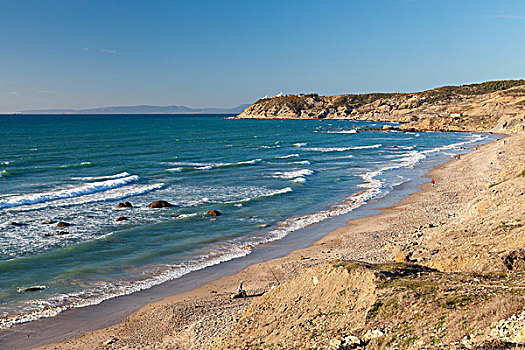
column 91, row 53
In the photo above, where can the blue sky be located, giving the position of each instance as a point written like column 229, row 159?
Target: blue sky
column 90, row 53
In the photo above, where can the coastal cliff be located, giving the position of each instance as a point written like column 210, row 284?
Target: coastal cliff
column 498, row 105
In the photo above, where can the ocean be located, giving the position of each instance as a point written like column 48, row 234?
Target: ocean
column 266, row 177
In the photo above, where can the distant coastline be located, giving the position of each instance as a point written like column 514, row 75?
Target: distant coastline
column 139, row 109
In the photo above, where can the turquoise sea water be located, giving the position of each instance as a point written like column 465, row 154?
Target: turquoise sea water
column 267, row 177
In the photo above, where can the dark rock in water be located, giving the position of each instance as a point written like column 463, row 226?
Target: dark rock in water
column 122, row 218
column 63, row 224
column 125, row 205
column 49, row 222
column 160, row 204
column 214, row 213
column 16, row 223
column 31, row 289
column 62, row 233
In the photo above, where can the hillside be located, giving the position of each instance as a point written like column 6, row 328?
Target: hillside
column 473, row 107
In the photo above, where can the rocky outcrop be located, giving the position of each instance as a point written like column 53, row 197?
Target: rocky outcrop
column 13, row 223
column 214, row 213
column 63, row 224
column 125, row 205
column 477, row 107
column 160, row 204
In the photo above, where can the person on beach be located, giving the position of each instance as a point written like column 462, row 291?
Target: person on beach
column 432, row 182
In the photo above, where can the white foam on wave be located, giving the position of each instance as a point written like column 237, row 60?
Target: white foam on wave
column 98, row 178
column 105, row 196
column 299, row 144
column 267, row 194
column 369, row 146
column 174, row 170
column 82, row 190
column 253, row 161
column 473, row 139
column 353, row 131
column 293, row 174
column 5, row 163
column 348, row 156
column 185, row 216
column 289, row 156
column 407, row 160
column 209, row 166
column 78, row 165
column 302, row 162
column 339, row 149
column 189, row 196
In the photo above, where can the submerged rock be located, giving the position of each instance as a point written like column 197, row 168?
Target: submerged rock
column 16, row 223
column 63, row 224
column 49, row 222
column 160, row 204
column 125, row 205
column 214, row 213
column 122, row 218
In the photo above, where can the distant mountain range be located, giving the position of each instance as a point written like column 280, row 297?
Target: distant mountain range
column 142, row 109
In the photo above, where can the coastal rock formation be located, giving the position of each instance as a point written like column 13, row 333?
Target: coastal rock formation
column 125, row 205
column 160, row 204
column 475, row 107
column 63, row 224
column 13, row 223
column 122, row 218
column 214, row 213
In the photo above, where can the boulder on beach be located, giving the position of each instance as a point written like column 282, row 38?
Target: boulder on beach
column 63, row 224
column 125, row 205
column 122, row 218
column 214, row 213
column 160, row 204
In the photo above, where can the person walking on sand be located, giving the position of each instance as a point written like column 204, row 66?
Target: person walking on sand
column 432, row 182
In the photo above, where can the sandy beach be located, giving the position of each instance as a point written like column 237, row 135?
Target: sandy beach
column 412, row 231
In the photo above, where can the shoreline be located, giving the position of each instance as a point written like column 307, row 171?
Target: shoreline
column 330, row 230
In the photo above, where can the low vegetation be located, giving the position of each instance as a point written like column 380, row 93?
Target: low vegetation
column 298, row 102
